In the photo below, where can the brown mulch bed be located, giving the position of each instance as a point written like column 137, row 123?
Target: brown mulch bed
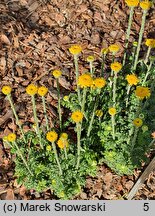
column 34, row 40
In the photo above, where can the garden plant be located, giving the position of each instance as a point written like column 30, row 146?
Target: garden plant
column 111, row 119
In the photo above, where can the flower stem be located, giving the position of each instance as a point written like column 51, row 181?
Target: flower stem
column 128, row 91
column 56, row 157
column 83, row 100
column 148, row 72
column 23, row 159
column 36, row 119
column 77, row 77
column 45, row 113
column 78, row 126
column 103, row 64
column 65, row 152
column 16, row 116
column 140, row 39
column 59, row 105
column 91, row 121
column 128, row 33
column 113, row 126
column 91, row 68
column 147, row 55
column 134, row 138
column 114, row 89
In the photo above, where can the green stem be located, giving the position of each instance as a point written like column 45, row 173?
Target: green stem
column 16, row 116
column 134, row 138
column 128, row 33
column 65, row 152
column 36, row 119
column 45, row 113
column 91, row 121
column 59, row 105
column 114, row 89
column 147, row 55
column 140, row 39
column 113, row 126
column 128, row 91
column 77, row 77
column 83, row 100
column 148, row 72
column 78, row 126
column 103, row 64
column 56, row 157
column 91, row 68
column 23, row 159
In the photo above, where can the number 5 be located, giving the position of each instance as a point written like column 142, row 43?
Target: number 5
column 146, row 207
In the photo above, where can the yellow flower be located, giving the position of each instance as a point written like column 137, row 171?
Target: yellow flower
column 57, row 73
column 75, row 49
column 31, row 89
column 145, row 5
column 145, row 128
column 114, row 48
column 99, row 82
column 150, row 43
column 62, row 143
column 142, row 92
column 48, row 148
column 51, row 136
column 6, row 90
column 11, row 137
column 137, row 122
column 64, row 136
column 104, row 51
column 132, row 3
column 90, row 58
column 135, row 44
column 5, row 138
column 77, row 116
column 116, row 66
column 99, row 113
column 42, row 91
column 85, row 80
column 132, row 79
column 112, row 111
column 66, row 98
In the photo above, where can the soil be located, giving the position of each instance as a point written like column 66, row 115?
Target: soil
column 34, row 40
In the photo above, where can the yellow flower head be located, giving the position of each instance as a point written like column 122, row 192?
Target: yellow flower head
column 135, row 43
column 137, row 122
column 75, row 49
column 104, row 51
column 99, row 82
column 142, row 92
column 6, row 90
column 132, row 3
column 132, row 79
column 57, row 73
column 150, row 43
column 11, row 137
column 51, row 136
column 145, row 5
column 90, row 58
column 64, row 136
column 85, row 80
column 99, row 113
column 62, row 143
column 48, row 148
column 31, row 89
column 116, row 66
column 114, row 48
column 5, row 138
column 66, row 98
column 112, row 111
column 42, row 91
column 77, row 116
